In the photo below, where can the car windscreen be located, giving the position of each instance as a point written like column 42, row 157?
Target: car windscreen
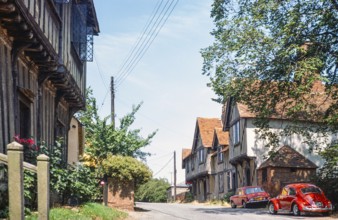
column 310, row 190
column 253, row 190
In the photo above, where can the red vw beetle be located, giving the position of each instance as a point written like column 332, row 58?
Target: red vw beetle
column 249, row 195
column 300, row 197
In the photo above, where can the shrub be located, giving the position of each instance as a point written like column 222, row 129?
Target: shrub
column 154, row 190
column 227, row 196
column 189, row 197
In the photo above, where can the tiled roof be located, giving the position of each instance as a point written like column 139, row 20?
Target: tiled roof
column 317, row 101
column 222, row 136
column 288, row 157
column 206, row 128
column 185, row 153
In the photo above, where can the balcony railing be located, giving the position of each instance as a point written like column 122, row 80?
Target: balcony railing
column 45, row 16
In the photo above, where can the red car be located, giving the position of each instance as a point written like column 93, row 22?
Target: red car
column 300, row 197
column 249, row 195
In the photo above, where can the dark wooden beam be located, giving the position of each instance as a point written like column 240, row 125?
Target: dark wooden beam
column 7, row 8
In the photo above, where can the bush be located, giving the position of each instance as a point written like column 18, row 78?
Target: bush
column 227, row 196
column 189, row 197
column 126, row 169
column 153, row 191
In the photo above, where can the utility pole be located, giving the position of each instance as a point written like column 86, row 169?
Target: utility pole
column 175, row 176
column 112, row 90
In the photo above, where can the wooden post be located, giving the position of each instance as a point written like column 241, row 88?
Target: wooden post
column 175, row 172
column 43, row 186
column 105, row 190
column 15, row 181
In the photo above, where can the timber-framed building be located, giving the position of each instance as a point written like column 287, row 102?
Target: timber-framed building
column 44, row 47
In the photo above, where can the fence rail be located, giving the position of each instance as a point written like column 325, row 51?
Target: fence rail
column 26, row 166
column 16, row 165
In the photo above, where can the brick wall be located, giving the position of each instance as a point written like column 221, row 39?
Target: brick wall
column 278, row 177
column 121, row 195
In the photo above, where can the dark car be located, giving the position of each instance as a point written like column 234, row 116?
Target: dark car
column 248, row 196
column 300, row 197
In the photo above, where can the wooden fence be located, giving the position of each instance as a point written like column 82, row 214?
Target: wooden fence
column 15, row 163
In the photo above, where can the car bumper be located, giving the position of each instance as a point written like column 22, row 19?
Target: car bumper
column 265, row 201
column 313, row 209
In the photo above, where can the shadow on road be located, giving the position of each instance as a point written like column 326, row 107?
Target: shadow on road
column 137, row 209
column 260, row 211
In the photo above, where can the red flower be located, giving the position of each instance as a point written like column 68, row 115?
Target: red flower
column 30, row 141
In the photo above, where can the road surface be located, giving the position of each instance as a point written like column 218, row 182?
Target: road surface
column 173, row 211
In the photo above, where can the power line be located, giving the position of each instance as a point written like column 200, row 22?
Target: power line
column 163, row 167
column 100, row 73
column 159, row 157
column 148, row 43
column 131, row 52
column 155, row 29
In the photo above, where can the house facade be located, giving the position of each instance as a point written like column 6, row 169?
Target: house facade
column 220, row 166
column 242, row 157
column 247, row 151
column 44, row 47
column 197, row 164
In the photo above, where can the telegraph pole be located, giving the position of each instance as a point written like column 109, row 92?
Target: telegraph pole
column 175, row 176
column 112, row 90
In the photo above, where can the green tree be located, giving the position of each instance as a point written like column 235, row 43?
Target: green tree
column 154, row 190
column 103, row 138
column 327, row 178
column 271, row 52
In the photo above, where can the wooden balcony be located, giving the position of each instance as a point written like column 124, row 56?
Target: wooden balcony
column 35, row 29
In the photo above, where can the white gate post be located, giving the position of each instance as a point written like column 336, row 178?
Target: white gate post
column 15, row 181
column 43, row 186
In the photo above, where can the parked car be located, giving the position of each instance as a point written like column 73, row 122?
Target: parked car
column 249, row 195
column 300, row 197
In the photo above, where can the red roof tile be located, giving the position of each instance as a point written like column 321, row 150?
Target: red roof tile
column 317, row 102
column 206, row 128
column 222, row 136
column 185, row 153
column 288, row 157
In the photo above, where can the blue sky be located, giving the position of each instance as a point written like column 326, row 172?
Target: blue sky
column 168, row 79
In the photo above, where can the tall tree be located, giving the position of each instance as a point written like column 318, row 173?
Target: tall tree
column 103, row 138
column 270, row 52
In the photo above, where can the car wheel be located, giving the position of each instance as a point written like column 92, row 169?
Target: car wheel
column 244, row 205
column 271, row 208
column 295, row 209
column 233, row 205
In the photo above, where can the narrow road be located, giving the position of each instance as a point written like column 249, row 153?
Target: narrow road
column 172, row 211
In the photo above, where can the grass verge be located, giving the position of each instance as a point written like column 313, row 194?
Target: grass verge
column 87, row 211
